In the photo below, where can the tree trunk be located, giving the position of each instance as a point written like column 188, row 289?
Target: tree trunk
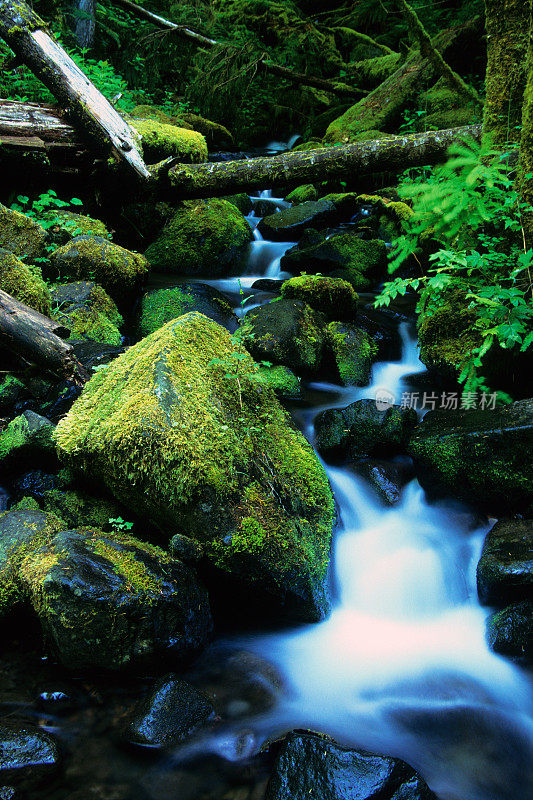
column 293, row 169
column 83, row 22
column 333, row 87
column 103, row 127
column 525, row 171
column 507, row 24
column 37, row 339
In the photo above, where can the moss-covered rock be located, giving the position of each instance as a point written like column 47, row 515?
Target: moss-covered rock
column 12, row 391
column 285, row 332
column 481, row 455
column 26, row 437
column 180, row 427
column 79, row 509
column 88, row 311
column 283, row 382
column 505, row 569
column 355, row 260
column 361, row 430
column 204, row 237
column 23, row 282
column 112, row 602
column 241, row 201
column 302, row 194
column 289, row 224
column 510, row 632
column 215, row 134
column 21, row 532
column 66, row 225
column 353, row 353
column 159, row 306
column 93, row 258
column 21, row 235
column 335, row 298
column 161, row 140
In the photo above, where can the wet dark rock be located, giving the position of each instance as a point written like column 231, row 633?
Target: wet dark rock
column 28, row 755
column 286, row 332
column 361, row 430
column 36, row 483
column 505, row 569
column 333, row 297
column 387, row 478
column 264, row 207
column 172, row 712
column 267, row 285
column 289, row 224
column 483, row 456
column 95, row 354
column 185, row 549
column 159, row 306
column 312, row 765
column 510, row 632
column 109, row 601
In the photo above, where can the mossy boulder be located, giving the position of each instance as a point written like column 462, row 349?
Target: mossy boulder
column 66, row 225
column 161, row 140
column 181, row 428
column 510, row 632
column 159, row 306
column 241, row 201
column 88, row 311
column 215, row 134
column 120, row 272
column 28, row 437
column 79, row 509
column 289, row 224
column 333, row 297
column 362, row 429
column 112, row 602
column 353, row 353
column 21, row 532
column 21, row 235
column 286, row 332
column 24, row 283
column 283, row 382
column 344, row 255
column 505, row 569
column 204, row 237
column 12, row 392
column 481, row 455
column 302, row 194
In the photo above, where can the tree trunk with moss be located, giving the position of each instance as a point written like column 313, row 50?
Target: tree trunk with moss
column 507, row 24
column 525, row 171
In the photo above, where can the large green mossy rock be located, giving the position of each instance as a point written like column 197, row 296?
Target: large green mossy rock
column 181, row 428
column 88, row 311
column 160, row 306
column 21, row 235
column 23, row 282
column 109, row 601
column 204, row 237
column 353, row 353
column 484, row 456
column 21, row 532
column 93, row 258
column 289, row 224
column 505, row 569
column 162, row 140
column 335, row 298
column 28, row 437
column 66, row 225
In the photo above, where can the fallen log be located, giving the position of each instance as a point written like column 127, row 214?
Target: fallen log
column 301, row 167
column 103, row 127
column 263, row 64
column 38, row 340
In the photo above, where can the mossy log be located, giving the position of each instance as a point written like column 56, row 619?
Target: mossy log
column 263, row 64
column 102, row 126
column 38, row 339
column 297, row 168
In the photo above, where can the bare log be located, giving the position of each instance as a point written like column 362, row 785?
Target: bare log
column 293, row 169
column 102, row 125
column 263, row 64
column 37, row 339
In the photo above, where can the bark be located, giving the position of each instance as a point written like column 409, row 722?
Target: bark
column 507, row 24
column 430, row 52
column 301, row 167
column 102, row 126
column 83, row 22
column 37, row 339
column 525, row 171
column 264, row 65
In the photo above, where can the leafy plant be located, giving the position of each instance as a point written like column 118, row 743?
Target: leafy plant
column 120, row 525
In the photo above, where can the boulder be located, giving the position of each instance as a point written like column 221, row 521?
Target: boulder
column 171, row 713
column 283, row 382
column 353, row 353
column 181, row 429
column 190, row 551
column 361, row 430
column 27, row 438
column 119, row 271
column 203, row 237
column 335, row 298
column 241, row 201
column 79, row 509
column 21, row 532
column 355, row 260
column 215, row 134
column 109, row 601
column 386, row 477
column 28, row 755
column 159, row 306
column 66, row 225
column 162, row 140
column 302, row 194
column 24, row 283
column 286, row 332
column 313, row 765
column 13, row 393
column 505, row 569
column 289, row 224
column 88, row 311
column 483, row 456
column 510, row 632
column 21, row 235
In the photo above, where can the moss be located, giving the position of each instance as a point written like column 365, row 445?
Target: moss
column 26, row 504
column 213, row 132
column 153, row 113
column 24, row 283
column 85, row 294
column 137, row 577
column 302, row 194
column 202, row 236
column 454, row 118
column 334, row 297
column 241, row 201
column 67, row 225
column 21, row 235
column 353, row 351
column 371, row 72
column 314, row 144
column 79, row 509
column 158, row 308
column 22, row 434
column 282, row 381
column 161, row 140
column 86, row 323
column 11, row 390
